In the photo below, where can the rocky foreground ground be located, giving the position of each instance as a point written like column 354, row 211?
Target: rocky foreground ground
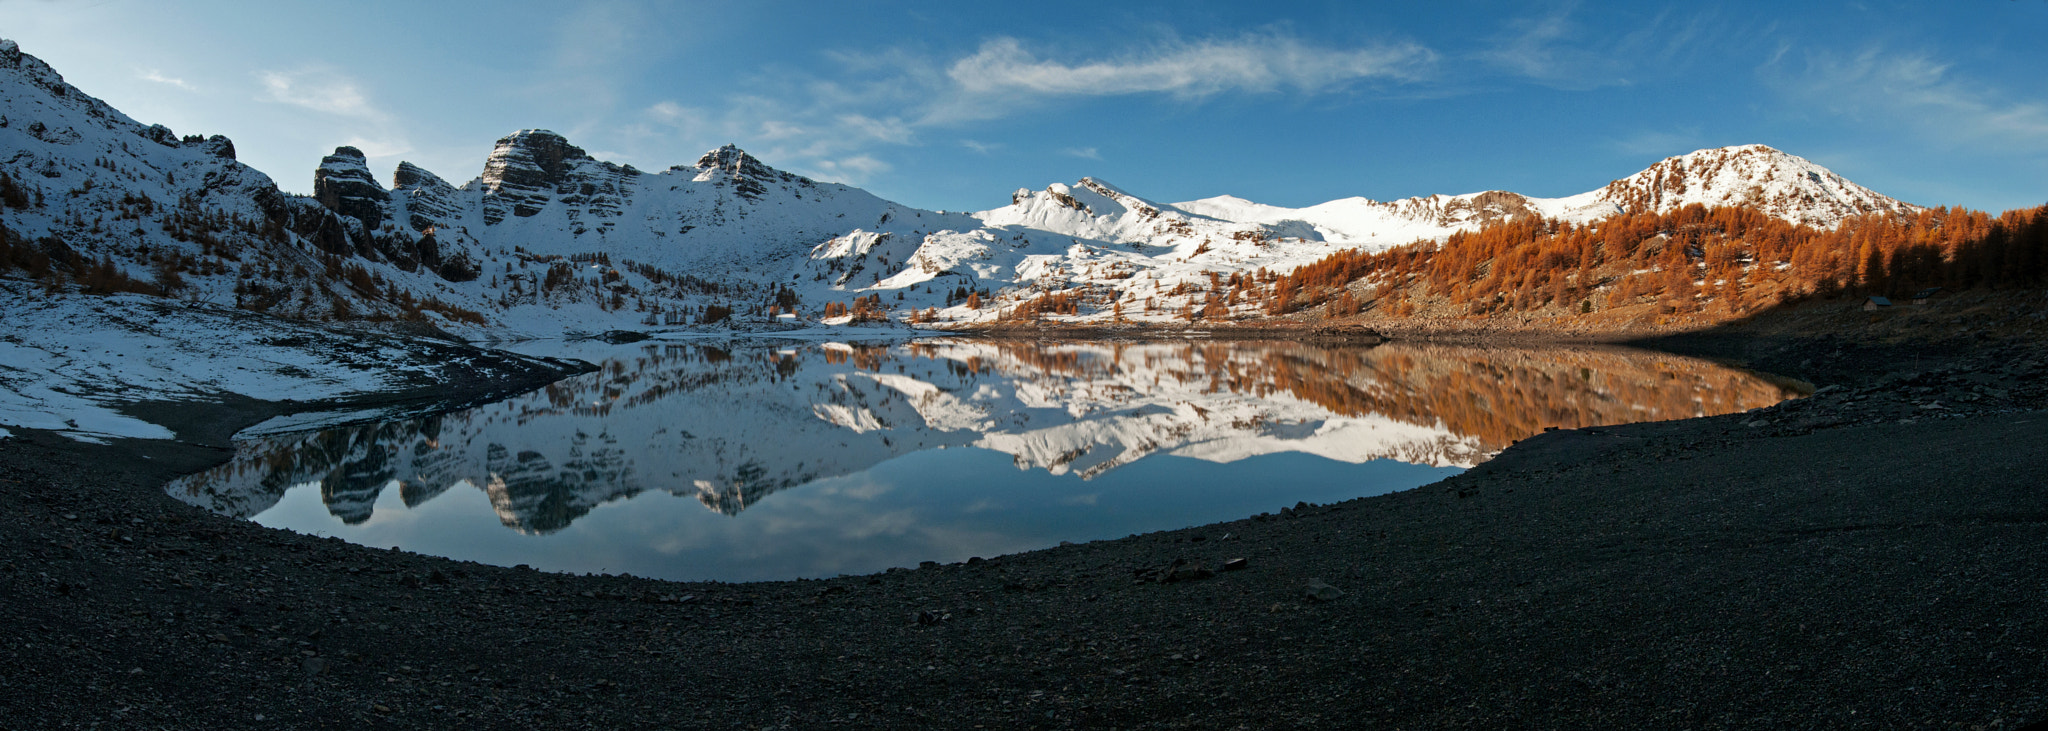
column 1869, row 557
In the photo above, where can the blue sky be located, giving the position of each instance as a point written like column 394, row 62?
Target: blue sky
column 940, row 106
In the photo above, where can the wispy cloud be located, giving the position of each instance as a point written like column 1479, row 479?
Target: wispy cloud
column 319, row 90
column 1549, row 48
column 1085, row 153
column 854, row 168
column 1255, row 63
column 840, row 122
column 379, row 147
column 340, row 103
column 1916, row 89
column 1556, row 50
column 159, row 77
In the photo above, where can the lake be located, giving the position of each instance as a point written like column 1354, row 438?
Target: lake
column 754, row 460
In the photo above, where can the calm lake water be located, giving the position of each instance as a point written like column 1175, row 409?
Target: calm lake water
column 773, row 460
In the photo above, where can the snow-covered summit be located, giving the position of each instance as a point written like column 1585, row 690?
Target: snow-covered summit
column 1095, row 210
column 1783, row 185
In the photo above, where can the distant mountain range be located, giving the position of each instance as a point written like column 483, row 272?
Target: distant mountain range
column 547, row 238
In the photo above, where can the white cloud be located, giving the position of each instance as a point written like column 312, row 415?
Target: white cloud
column 839, row 123
column 673, row 112
column 1917, row 90
column 1256, row 63
column 159, row 77
column 686, row 121
column 1555, row 51
column 853, row 170
column 775, row 129
column 891, row 130
column 318, row 90
column 375, row 148
column 1085, row 153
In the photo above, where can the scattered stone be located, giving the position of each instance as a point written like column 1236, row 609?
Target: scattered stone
column 314, row 666
column 1183, row 570
column 1319, row 591
column 1236, row 564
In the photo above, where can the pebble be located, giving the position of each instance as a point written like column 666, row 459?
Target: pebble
column 1319, row 591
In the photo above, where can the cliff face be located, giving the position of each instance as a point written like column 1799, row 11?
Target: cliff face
column 343, row 184
column 427, row 198
column 532, row 168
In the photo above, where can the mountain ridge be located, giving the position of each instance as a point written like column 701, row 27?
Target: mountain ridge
column 546, row 237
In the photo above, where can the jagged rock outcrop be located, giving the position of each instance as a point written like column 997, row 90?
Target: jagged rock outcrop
column 742, row 171
column 429, row 201
column 532, row 167
column 344, row 184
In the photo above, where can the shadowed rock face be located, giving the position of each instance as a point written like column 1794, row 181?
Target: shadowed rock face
column 429, row 200
column 530, row 168
column 523, row 171
column 745, row 172
column 343, row 184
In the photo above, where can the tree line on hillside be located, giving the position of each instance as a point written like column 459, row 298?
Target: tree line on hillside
column 1694, row 259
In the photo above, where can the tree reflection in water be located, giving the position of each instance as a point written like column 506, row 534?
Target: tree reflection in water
column 731, row 425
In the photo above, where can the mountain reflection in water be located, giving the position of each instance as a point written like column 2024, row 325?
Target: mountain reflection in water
column 731, row 425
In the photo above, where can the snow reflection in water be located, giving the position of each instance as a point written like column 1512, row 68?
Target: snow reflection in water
column 819, row 459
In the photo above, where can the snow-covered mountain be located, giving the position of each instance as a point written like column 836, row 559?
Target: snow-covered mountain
column 732, row 425
column 545, row 238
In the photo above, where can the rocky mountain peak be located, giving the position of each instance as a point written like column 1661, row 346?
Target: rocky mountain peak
column 409, row 176
column 532, row 167
column 729, row 157
column 429, row 200
column 749, row 175
column 1758, row 176
column 530, row 158
column 343, row 184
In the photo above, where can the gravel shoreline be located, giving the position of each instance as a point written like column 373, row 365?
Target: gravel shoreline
column 1868, row 557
